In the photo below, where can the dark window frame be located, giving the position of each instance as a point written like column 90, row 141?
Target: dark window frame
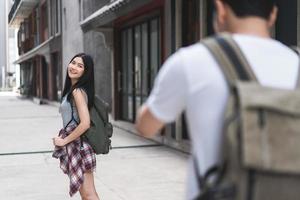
column 133, row 25
column 44, row 25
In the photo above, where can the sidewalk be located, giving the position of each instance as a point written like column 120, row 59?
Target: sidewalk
column 136, row 169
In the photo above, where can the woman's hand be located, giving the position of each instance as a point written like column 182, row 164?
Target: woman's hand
column 59, row 141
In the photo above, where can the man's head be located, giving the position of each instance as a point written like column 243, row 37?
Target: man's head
column 230, row 10
column 246, row 8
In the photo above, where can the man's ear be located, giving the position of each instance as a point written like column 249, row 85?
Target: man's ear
column 273, row 17
column 220, row 12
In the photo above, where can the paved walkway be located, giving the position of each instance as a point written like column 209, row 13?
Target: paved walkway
column 136, row 169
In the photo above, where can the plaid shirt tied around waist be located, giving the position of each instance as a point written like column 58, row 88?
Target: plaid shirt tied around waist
column 75, row 159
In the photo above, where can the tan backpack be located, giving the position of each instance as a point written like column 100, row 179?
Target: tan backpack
column 261, row 149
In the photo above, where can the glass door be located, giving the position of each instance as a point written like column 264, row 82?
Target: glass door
column 126, row 75
column 140, row 62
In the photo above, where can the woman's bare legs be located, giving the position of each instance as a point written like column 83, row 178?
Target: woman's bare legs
column 87, row 189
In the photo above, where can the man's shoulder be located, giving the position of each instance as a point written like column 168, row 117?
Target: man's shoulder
column 262, row 43
column 194, row 52
column 193, row 48
column 186, row 58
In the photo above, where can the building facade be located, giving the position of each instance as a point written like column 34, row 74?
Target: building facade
column 72, row 35
column 12, row 70
column 129, row 41
column 39, row 46
column 132, row 38
column 74, row 41
column 3, row 43
column 12, row 74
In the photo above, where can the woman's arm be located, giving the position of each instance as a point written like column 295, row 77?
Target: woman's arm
column 84, row 116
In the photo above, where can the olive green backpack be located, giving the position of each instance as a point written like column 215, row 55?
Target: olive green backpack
column 101, row 130
column 261, row 151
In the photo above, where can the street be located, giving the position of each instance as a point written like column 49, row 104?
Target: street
column 135, row 169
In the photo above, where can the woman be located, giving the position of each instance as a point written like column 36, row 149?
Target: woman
column 77, row 158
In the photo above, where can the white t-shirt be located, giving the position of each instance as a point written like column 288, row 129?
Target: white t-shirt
column 191, row 80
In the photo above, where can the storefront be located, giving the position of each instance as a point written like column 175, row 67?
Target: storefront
column 140, row 36
column 39, row 44
column 137, row 61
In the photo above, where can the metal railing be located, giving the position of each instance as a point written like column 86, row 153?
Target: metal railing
column 13, row 10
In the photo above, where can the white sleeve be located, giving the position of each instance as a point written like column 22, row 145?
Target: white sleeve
column 168, row 96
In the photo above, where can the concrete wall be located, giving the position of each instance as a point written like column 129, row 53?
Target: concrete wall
column 91, row 6
column 94, row 44
column 72, row 36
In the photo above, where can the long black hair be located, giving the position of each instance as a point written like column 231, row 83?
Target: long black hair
column 86, row 81
column 259, row 8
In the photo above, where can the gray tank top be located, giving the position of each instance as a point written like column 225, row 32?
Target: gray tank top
column 66, row 111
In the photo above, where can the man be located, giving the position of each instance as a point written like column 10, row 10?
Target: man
column 191, row 80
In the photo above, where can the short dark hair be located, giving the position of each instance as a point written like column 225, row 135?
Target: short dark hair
column 245, row 8
column 86, row 81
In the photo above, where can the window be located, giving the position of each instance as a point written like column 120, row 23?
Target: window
column 144, row 63
column 209, row 17
column 140, row 55
column 52, row 17
column 298, row 22
column 206, row 8
column 22, row 32
column 55, row 17
column 124, row 82
column 44, row 22
column 137, row 65
column 127, row 73
column 56, row 75
column 58, row 16
column 34, row 28
column 20, row 38
column 286, row 23
column 190, row 22
column 26, row 28
column 37, row 21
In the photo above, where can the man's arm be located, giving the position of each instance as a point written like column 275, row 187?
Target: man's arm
column 146, row 123
column 167, row 99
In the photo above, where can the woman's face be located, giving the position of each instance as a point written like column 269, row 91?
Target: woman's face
column 76, row 68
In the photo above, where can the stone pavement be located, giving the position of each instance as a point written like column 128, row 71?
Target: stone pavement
column 136, row 169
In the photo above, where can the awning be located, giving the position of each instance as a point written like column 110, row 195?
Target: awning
column 111, row 11
column 20, row 10
column 41, row 49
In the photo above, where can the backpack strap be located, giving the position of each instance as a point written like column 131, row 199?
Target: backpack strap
column 230, row 58
column 297, row 50
column 233, row 61
column 234, row 66
column 73, row 119
column 72, row 116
